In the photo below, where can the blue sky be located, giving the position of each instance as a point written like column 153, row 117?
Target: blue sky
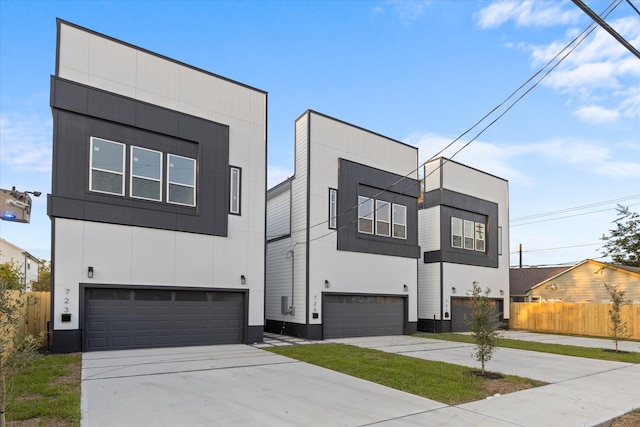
column 422, row 72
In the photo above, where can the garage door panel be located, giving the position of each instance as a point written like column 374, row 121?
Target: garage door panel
column 358, row 315
column 149, row 318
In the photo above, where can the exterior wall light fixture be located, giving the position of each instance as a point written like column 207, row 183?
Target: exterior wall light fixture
column 243, row 280
column 90, row 272
column 406, row 288
column 326, row 283
column 453, row 289
column 501, row 292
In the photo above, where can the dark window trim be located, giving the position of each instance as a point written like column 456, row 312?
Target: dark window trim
column 239, row 169
column 333, row 215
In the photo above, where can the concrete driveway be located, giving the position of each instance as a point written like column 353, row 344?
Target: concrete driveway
column 230, row 385
column 239, row 385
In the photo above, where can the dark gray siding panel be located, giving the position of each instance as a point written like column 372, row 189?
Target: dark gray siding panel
column 81, row 112
column 355, row 179
column 466, row 207
column 360, row 316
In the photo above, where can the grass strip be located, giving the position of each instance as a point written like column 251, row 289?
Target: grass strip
column 47, row 390
column 563, row 349
column 443, row 382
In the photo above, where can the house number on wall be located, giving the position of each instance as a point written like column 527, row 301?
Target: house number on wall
column 66, row 300
column 315, row 303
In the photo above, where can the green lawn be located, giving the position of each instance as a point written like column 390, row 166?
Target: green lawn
column 443, row 382
column 47, row 390
column 566, row 350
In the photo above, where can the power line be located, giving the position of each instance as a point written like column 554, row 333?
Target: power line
column 566, row 216
column 556, row 248
column 592, row 205
column 577, row 41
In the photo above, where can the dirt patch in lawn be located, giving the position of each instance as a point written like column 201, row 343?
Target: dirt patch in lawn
column 632, row 419
column 493, row 387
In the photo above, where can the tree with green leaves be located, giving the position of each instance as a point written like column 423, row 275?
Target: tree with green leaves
column 623, row 242
column 618, row 326
column 43, row 284
column 484, row 324
column 15, row 351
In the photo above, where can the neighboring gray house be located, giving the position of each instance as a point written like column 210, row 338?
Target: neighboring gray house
column 158, row 200
column 342, row 236
column 463, row 224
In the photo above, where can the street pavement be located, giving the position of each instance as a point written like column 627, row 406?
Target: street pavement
column 240, row 385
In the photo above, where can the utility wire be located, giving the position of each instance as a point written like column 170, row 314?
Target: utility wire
column 566, row 216
column 633, row 7
column 592, row 205
column 577, row 40
column 555, row 249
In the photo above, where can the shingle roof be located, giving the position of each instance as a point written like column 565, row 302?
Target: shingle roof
column 523, row 279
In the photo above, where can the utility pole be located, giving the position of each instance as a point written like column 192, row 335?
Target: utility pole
column 520, row 254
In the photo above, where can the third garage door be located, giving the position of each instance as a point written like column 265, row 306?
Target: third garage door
column 359, row 316
column 145, row 318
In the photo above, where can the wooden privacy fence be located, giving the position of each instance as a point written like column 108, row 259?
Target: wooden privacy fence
column 36, row 312
column 572, row 318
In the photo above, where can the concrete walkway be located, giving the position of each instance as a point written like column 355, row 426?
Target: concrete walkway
column 238, row 385
column 582, row 392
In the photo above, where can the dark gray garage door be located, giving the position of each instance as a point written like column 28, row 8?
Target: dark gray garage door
column 461, row 307
column 117, row 319
column 360, row 316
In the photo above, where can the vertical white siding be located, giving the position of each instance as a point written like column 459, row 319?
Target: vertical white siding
column 429, row 229
column 279, row 215
column 429, row 291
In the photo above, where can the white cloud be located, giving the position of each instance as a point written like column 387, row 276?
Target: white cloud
column 275, row 175
column 600, row 75
column 597, row 115
column 509, row 161
column 25, row 142
column 526, row 14
column 408, row 11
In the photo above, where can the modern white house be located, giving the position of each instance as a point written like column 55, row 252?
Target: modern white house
column 158, row 200
column 27, row 264
column 463, row 224
column 342, row 235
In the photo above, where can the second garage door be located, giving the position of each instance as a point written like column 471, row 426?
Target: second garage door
column 359, row 316
column 117, row 319
column 461, row 307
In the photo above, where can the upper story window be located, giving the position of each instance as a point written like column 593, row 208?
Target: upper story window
column 107, row 167
column 181, row 180
column 399, row 221
column 333, row 208
column 234, row 201
column 382, row 218
column 146, row 174
column 467, row 234
column 365, row 215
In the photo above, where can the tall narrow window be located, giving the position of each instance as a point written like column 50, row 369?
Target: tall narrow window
column 399, row 221
column 333, row 208
column 107, row 167
column 234, row 202
column 146, row 174
column 181, row 182
column 480, row 236
column 456, row 232
column 468, row 234
column 365, row 215
column 383, row 218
